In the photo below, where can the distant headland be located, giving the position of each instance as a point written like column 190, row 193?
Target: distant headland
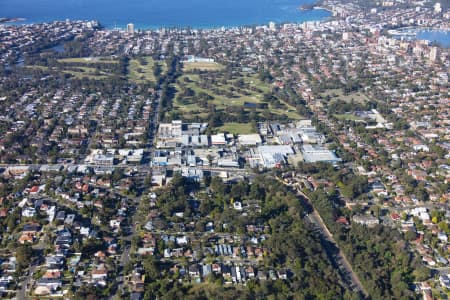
column 311, row 6
column 307, row 6
column 8, row 20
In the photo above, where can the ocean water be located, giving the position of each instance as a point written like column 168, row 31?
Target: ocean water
column 162, row 13
column 441, row 37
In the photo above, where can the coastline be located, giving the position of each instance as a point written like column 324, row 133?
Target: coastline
column 318, row 5
column 324, row 8
column 293, row 16
column 213, row 26
column 423, row 33
column 11, row 20
column 139, row 26
column 414, row 30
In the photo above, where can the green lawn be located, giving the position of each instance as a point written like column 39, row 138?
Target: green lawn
column 88, row 60
column 80, row 67
column 206, row 66
column 357, row 97
column 88, row 72
column 190, row 111
column 137, row 71
column 254, row 81
column 43, row 68
column 349, row 117
column 252, row 91
column 141, row 73
column 237, row 128
column 222, row 101
column 78, row 72
column 80, row 75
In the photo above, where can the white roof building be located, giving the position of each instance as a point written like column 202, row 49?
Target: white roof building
column 250, row 139
column 274, row 155
column 170, row 130
column 218, row 139
column 315, row 153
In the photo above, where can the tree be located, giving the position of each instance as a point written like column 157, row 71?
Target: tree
column 23, row 255
column 355, row 186
column 422, row 273
column 207, row 180
column 218, row 186
column 410, row 235
column 151, row 268
column 87, row 292
column 91, row 246
column 117, row 175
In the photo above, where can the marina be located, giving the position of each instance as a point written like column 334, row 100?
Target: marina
column 440, row 36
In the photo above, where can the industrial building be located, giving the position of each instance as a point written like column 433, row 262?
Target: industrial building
column 249, row 139
column 316, row 153
column 171, row 135
column 272, row 156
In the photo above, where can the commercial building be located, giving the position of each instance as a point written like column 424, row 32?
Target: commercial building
column 274, row 155
column 170, row 130
column 194, row 140
column 218, row 139
column 171, row 135
column 316, row 153
column 250, row 139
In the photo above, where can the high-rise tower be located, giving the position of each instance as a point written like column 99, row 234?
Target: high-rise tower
column 130, row 28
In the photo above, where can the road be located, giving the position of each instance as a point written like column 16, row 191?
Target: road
column 21, row 294
column 125, row 259
column 126, row 254
column 442, row 270
column 139, row 168
column 349, row 276
column 347, row 273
